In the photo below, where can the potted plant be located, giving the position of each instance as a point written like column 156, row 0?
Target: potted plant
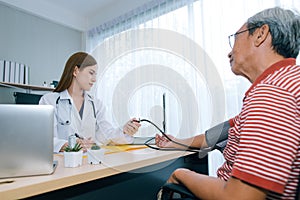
column 73, row 155
column 95, row 154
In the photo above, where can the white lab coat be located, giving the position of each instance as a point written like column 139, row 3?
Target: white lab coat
column 99, row 129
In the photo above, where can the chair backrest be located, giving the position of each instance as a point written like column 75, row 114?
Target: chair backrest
column 27, row 98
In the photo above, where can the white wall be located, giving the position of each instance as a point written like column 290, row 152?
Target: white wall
column 43, row 45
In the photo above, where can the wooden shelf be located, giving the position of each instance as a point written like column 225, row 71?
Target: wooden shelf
column 23, row 86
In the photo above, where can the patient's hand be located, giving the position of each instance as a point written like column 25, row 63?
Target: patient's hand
column 162, row 141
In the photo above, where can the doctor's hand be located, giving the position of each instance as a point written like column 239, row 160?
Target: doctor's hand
column 86, row 143
column 131, row 127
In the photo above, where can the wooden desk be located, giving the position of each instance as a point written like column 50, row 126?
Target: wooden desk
column 138, row 162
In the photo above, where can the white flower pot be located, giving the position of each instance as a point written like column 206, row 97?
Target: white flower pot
column 73, row 159
column 95, row 156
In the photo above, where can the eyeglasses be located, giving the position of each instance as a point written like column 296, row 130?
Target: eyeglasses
column 231, row 38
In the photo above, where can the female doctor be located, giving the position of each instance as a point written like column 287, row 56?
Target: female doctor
column 77, row 112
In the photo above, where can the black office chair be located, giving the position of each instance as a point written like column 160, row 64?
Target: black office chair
column 27, row 98
column 171, row 191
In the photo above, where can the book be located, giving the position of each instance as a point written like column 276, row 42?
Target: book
column 12, row 72
column 17, row 72
column 26, row 75
column 6, row 71
column 1, row 70
column 22, row 73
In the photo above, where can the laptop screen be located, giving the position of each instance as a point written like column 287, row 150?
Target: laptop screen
column 26, row 145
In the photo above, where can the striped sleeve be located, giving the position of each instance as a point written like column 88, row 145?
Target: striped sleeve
column 269, row 138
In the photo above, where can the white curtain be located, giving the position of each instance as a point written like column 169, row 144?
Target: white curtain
column 176, row 47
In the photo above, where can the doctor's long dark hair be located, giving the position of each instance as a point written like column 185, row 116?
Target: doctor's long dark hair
column 79, row 59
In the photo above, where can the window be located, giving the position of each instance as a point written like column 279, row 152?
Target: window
column 175, row 47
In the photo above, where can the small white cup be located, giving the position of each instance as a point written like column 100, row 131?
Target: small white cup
column 95, row 156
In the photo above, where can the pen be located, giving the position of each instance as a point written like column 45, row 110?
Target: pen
column 78, row 136
column 2, row 181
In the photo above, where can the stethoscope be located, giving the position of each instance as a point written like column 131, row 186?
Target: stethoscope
column 64, row 109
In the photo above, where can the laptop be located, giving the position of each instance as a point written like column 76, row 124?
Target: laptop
column 26, row 140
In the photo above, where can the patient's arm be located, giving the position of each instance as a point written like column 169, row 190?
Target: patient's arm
column 211, row 137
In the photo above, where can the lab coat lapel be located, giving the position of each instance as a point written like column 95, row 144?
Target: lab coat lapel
column 88, row 119
column 88, row 110
column 75, row 114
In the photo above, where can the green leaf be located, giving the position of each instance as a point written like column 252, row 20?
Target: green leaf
column 76, row 148
column 95, row 147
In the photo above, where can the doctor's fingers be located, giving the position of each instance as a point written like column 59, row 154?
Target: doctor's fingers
column 130, row 130
column 89, row 141
column 133, row 124
column 85, row 144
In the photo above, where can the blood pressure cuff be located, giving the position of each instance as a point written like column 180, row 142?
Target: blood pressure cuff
column 216, row 137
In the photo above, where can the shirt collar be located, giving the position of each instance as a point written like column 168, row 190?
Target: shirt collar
column 65, row 95
column 274, row 67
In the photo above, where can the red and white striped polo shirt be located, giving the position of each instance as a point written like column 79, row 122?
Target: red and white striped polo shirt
column 264, row 143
